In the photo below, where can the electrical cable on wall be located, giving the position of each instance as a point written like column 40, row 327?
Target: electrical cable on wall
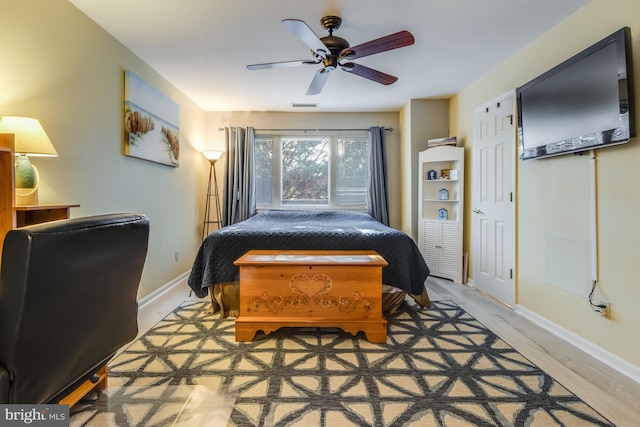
column 599, row 308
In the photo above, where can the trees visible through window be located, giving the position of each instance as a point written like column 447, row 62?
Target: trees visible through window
column 294, row 171
column 305, row 171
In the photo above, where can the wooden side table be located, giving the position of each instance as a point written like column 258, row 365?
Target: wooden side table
column 36, row 214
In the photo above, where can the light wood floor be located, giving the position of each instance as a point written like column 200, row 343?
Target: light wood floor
column 605, row 389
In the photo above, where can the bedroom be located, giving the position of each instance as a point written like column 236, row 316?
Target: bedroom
column 65, row 70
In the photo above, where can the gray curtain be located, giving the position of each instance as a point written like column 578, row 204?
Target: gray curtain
column 377, row 188
column 239, row 201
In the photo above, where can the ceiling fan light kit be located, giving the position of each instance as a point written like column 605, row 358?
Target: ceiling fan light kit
column 331, row 51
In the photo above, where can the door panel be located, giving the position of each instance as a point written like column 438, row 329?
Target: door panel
column 483, row 168
column 483, row 248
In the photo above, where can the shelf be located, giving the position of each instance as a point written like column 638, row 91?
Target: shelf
column 440, row 240
column 45, row 207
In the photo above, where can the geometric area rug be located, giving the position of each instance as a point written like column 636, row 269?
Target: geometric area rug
column 439, row 367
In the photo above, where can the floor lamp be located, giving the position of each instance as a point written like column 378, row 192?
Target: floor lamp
column 212, row 192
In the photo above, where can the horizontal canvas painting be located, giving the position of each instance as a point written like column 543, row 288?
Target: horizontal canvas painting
column 151, row 122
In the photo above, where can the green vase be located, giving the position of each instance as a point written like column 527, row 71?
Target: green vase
column 25, row 173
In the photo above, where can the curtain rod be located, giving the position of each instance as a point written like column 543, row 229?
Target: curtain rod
column 311, row 130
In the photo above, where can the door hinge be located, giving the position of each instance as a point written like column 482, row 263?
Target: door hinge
column 511, row 273
column 510, row 117
column 511, row 196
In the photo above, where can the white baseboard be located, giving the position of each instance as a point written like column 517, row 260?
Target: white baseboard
column 181, row 280
column 627, row 369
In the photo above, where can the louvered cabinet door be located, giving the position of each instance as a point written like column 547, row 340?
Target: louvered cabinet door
column 430, row 244
column 440, row 247
column 450, row 264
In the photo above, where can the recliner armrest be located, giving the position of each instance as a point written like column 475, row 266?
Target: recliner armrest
column 4, row 385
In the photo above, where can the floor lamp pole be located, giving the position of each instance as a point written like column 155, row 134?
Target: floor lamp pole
column 212, row 191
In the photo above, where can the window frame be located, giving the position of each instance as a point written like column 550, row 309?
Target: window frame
column 334, row 137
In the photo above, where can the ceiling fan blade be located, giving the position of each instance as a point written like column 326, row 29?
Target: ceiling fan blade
column 392, row 41
column 318, row 82
column 280, row 64
column 369, row 73
column 307, row 36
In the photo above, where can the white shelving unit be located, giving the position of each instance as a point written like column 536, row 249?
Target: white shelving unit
column 441, row 210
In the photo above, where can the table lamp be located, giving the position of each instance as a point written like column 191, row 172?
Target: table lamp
column 30, row 139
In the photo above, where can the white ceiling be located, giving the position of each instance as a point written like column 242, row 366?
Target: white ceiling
column 203, row 46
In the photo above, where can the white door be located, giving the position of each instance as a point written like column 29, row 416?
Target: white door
column 493, row 184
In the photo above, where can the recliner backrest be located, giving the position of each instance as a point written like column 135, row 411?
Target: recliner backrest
column 68, row 300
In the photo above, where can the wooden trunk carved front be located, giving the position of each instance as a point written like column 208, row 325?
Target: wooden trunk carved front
column 323, row 289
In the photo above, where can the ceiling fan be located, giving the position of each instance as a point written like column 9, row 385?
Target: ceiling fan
column 332, row 52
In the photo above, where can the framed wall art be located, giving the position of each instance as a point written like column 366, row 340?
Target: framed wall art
column 151, row 122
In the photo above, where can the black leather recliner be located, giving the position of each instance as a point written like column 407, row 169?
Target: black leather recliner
column 68, row 302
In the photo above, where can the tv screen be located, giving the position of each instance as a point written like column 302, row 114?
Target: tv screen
column 582, row 104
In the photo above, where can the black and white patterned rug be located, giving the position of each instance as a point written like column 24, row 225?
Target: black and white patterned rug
column 439, row 367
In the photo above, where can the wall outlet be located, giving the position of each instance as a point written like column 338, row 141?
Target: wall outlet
column 176, row 255
column 605, row 308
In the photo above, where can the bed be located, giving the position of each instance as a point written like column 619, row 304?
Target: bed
column 214, row 272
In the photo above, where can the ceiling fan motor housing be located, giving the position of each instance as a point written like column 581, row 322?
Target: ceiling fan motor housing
column 335, row 44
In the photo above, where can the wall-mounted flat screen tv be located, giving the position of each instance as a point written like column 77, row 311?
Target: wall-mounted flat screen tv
column 582, row 104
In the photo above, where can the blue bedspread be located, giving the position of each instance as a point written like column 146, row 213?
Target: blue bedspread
column 312, row 230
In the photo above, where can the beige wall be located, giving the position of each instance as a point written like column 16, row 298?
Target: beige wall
column 553, row 197
column 60, row 67
column 424, row 119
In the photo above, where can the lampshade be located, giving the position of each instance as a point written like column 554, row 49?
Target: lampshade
column 212, row 155
column 30, row 138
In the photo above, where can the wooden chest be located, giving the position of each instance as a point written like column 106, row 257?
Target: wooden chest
column 311, row 288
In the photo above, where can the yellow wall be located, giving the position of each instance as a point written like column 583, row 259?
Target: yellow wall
column 60, row 67
column 553, row 194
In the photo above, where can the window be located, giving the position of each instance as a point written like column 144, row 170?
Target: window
column 312, row 170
